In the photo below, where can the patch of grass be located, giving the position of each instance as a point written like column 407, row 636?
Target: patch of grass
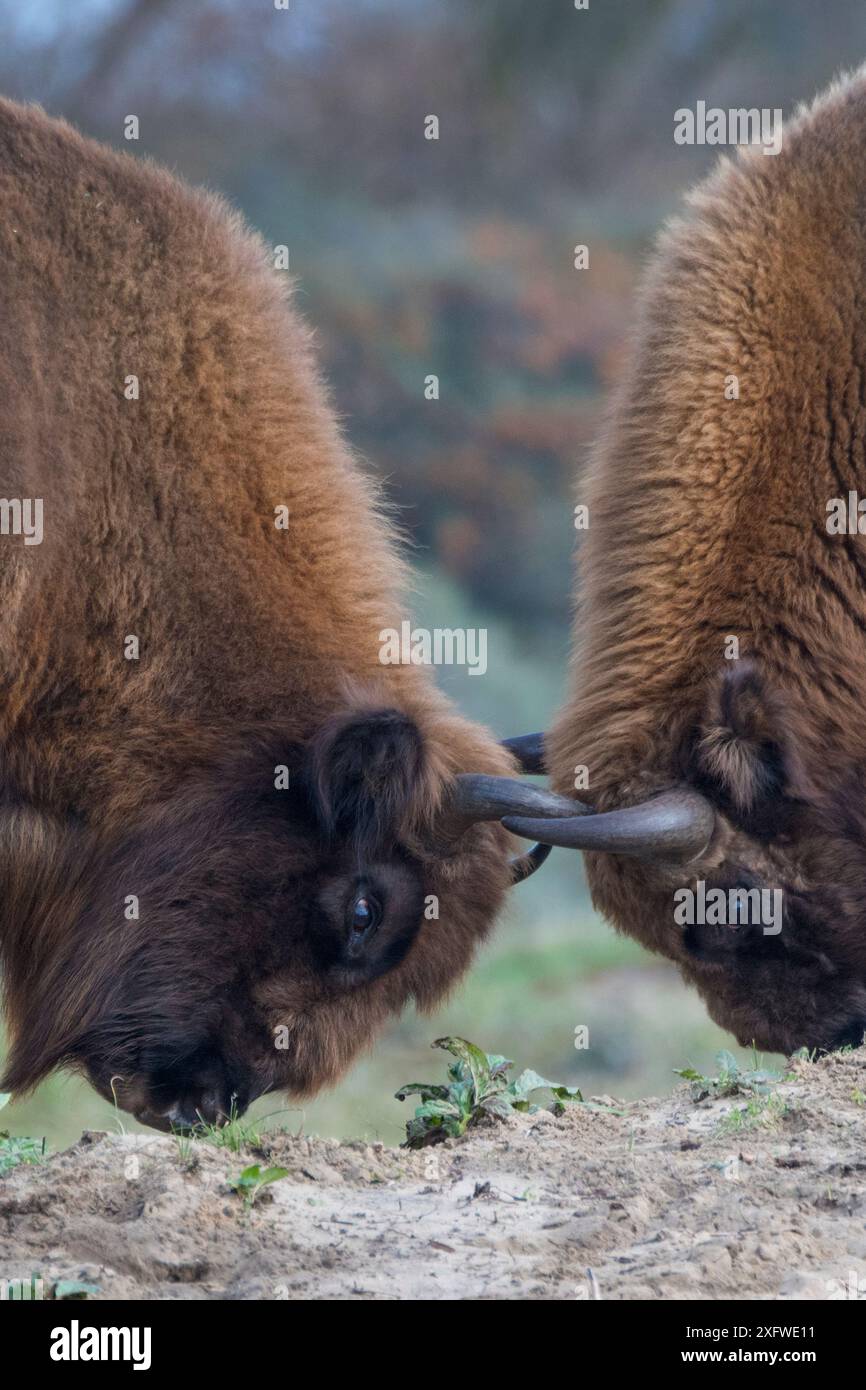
column 732, row 1080
column 477, row 1085
column 235, row 1135
column 760, row 1112
column 185, row 1141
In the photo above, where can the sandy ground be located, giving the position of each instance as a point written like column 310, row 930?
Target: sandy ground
column 666, row 1200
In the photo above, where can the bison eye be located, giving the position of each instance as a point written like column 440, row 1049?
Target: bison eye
column 365, row 913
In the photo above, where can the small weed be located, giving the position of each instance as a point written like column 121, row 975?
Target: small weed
column 15, row 1149
column 759, row 1112
column 253, row 1180
column 477, row 1085
column 185, row 1140
column 236, row 1134
column 732, row 1080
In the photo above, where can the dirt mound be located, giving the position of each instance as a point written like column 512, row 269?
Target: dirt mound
column 738, row 1197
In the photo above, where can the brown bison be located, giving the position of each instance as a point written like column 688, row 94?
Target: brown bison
column 232, row 841
column 719, row 677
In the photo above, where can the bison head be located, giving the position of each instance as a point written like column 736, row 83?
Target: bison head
column 743, row 862
column 256, row 928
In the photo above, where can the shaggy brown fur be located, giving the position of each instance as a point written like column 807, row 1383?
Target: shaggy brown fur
column 258, row 647
column 708, row 518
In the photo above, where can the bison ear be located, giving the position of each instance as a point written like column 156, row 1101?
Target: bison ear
column 363, row 768
column 741, row 753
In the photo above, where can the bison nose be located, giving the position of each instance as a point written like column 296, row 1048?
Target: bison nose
column 183, row 1089
column 209, row 1108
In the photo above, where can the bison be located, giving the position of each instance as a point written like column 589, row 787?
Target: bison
column 718, row 686
column 233, row 843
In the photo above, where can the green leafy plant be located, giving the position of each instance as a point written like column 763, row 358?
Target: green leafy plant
column 732, row 1079
column 253, row 1180
column 15, row 1149
column 477, row 1085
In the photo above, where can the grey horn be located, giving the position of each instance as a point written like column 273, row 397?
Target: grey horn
column 675, row 825
column 478, row 797
column 528, row 749
column 524, row 865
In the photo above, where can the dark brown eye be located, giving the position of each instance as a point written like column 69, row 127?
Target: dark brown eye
column 365, row 914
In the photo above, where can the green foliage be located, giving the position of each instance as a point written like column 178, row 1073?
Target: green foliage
column 253, row 1180
column 732, row 1079
column 477, row 1085
column 15, row 1149
column 235, row 1135
column 759, row 1112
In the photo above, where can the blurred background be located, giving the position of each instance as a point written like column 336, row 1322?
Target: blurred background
column 454, row 257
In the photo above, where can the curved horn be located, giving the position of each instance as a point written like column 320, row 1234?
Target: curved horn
column 478, row 797
column 528, row 749
column 675, row 825
column 525, row 865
